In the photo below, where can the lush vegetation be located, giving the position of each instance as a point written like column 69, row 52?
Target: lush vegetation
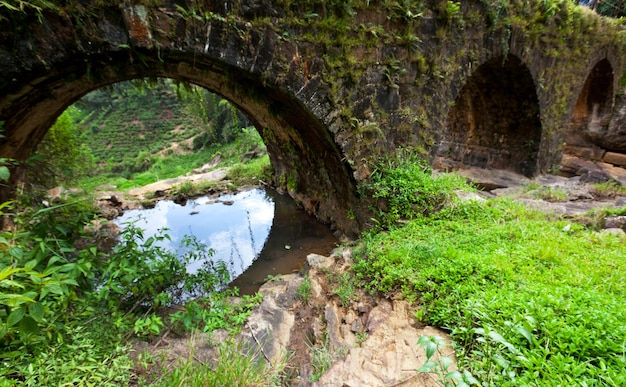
column 63, row 156
column 133, row 125
column 136, row 133
column 528, row 300
column 67, row 306
column 67, row 311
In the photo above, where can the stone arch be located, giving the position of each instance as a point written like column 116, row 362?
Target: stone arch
column 494, row 122
column 592, row 114
column 307, row 163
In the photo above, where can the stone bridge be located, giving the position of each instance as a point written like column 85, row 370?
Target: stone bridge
column 332, row 86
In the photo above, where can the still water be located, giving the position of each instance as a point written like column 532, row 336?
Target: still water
column 256, row 233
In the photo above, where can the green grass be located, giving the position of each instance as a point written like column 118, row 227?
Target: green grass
column 234, row 368
column 81, row 354
column 528, row 301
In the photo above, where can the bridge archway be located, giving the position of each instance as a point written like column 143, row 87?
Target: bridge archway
column 592, row 112
column 494, row 122
column 306, row 161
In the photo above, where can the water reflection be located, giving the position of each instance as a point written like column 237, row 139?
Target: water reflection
column 256, row 233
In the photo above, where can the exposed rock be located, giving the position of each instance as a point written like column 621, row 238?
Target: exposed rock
column 318, row 262
column 164, row 185
column 615, row 222
column 595, row 177
column 588, row 152
column 469, row 196
column 575, row 166
column 390, row 354
column 386, row 354
column 269, row 327
column 490, row 179
column 618, row 159
column 208, row 166
column 614, row 231
column 615, row 137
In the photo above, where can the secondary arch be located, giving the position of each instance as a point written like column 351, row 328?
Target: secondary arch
column 494, row 121
column 592, row 114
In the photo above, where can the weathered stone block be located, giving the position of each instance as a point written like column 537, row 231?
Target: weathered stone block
column 615, row 158
column 586, row 152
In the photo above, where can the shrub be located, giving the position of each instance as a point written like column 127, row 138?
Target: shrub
column 408, row 189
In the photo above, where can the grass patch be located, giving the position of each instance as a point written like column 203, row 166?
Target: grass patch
column 233, row 368
column 251, row 172
column 405, row 187
column 528, row 301
column 549, row 194
column 344, row 287
column 304, row 290
column 608, row 190
column 322, row 357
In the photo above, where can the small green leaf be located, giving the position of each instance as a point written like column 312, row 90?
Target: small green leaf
column 54, row 288
column 36, row 311
column 526, row 333
column 8, row 271
column 16, row 252
column 13, row 300
column 469, row 378
column 454, row 375
column 446, row 362
column 5, row 174
column 502, row 362
column 429, row 366
column 16, row 316
column 30, row 264
column 29, row 326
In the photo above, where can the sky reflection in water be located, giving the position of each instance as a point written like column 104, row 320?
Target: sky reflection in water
column 236, row 232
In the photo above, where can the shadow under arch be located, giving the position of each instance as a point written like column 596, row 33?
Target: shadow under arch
column 307, row 162
column 494, row 122
column 592, row 113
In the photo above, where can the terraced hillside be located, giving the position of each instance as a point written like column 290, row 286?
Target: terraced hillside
column 125, row 121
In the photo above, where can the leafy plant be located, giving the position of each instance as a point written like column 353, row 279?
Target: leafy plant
column 216, row 311
column 150, row 325
column 62, row 156
column 39, row 274
column 5, row 173
column 442, row 365
column 345, row 289
column 407, row 188
column 304, row 290
column 142, row 275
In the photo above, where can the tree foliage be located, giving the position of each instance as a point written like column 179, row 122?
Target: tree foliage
column 223, row 121
column 612, row 8
column 62, row 157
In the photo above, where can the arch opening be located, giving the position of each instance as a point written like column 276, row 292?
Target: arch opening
column 306, row 161
column 132, row 130
column 494, row 122
column 589, row 126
